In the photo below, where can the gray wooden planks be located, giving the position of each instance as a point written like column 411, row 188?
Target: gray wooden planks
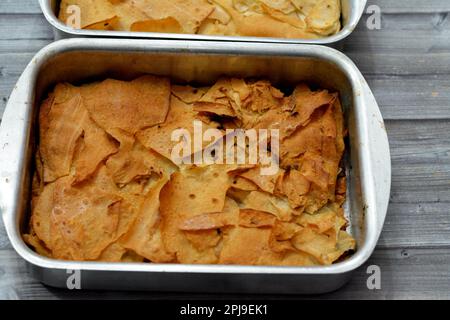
column 411, row 6
column 420, row 152
column 412, row 97
column 11, row 67
column 23, row 26
column 426, row 33
column 405, row 274
column 19, row 6
column 416, row 225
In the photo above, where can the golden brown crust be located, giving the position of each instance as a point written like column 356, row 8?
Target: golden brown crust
column 106, row 187
column 130, row 106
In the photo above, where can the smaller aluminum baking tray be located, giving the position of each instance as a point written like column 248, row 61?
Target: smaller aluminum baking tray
column 352, row 11
column 79, row 60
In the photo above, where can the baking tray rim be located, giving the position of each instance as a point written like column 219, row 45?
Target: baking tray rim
column 356, row 12
column 374, row 207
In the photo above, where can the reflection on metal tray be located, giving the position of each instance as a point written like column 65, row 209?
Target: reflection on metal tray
column 352, row 10
column 78, row 60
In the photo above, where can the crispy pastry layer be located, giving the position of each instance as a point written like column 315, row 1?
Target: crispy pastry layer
column 106, row 188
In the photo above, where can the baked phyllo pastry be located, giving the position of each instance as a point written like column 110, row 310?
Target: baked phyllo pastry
column 150, row 171
column 302, row 19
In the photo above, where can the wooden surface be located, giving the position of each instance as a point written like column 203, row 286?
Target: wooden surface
column 407, row 64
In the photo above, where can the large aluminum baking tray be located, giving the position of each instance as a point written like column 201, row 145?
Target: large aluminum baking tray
column 77, row 60
column 352, row 10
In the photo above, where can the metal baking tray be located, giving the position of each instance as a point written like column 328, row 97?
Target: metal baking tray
column 352, row 11
column 78, row 60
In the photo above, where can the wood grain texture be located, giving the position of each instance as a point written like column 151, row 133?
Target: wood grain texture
column 19, row 6
column 405, row 274
column 428, row 33
column 23, row 26
column 11, row 67
column 420, row 152
column 414, row 98
column 407, row 65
